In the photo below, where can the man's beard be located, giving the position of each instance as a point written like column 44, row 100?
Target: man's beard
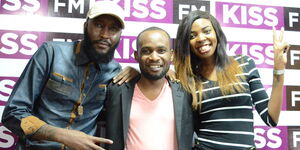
column 91, row 52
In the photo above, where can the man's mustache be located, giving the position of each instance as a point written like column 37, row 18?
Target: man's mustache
column 106, row 42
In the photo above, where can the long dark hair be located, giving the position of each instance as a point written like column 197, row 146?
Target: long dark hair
column 186, row 62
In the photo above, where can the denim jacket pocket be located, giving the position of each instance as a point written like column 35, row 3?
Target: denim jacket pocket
column 101, row 94
column 59, row 87
column 60, row 84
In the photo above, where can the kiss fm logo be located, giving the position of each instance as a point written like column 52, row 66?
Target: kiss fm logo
column 19, row 44
column 292, row 19
column 135, row 10
column 7, row 139
column 294, row 137
column 68, row 8
column 160, row 11
column 266, row 138
column 6, row 86
column 148, row 10
column 182, row 8
column 293, row 97
column 262, row 54
column 123, row 54
column 293, row 61
column 24, row 7
column 249, row 15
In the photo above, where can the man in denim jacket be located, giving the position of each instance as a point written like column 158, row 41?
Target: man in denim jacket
column 58, row 97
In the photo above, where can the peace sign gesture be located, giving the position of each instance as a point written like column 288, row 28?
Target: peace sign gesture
column 280, row 50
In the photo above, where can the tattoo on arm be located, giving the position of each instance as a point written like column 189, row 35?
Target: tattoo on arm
column 46, row 132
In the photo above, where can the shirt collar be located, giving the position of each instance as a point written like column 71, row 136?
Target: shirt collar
column 81, row 57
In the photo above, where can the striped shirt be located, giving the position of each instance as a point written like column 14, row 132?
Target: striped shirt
column 226, row 121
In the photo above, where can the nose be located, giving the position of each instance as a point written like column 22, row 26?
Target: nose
column 154, row 56
column 105, row 33
column 201, row 37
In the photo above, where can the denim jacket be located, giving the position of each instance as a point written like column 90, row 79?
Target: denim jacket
column 57, row 80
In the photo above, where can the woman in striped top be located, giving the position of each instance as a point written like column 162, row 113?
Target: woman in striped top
column 224, row 88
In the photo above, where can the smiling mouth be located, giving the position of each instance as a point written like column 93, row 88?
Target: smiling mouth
column 155, row 67
column 204, row 48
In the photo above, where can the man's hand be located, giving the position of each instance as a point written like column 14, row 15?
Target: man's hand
column 77, row 140
column 127, row 74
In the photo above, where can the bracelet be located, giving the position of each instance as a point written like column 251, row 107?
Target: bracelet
column 278, row 72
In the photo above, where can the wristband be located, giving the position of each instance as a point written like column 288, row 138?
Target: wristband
column 278, row 72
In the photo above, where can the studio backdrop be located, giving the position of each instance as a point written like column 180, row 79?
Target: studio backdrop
column 26, row 24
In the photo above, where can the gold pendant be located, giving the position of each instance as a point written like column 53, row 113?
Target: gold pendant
column 80, row 110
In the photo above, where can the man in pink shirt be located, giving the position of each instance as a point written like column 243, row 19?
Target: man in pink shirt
column 150, row 112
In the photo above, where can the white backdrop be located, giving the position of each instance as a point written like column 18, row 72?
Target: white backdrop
column 26, row 24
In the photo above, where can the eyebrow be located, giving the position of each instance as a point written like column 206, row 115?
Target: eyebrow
column 159, row 47
column 116, row 24
column 192, row 31
column 208, row 26
column 162, row 47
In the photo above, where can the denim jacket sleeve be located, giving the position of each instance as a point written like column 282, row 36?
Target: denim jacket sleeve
column 26, row 93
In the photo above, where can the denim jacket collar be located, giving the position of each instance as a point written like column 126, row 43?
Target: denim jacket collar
column 81, row 57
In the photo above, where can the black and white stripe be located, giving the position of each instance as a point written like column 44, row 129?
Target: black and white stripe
column 226, row 121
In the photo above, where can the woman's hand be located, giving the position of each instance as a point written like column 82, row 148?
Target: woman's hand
column 171, row 75
column 280, row 50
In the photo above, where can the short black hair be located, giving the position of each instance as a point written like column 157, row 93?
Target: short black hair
column 149, row 29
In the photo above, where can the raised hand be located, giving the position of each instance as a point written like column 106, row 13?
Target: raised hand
column 280, row 50
column 127, row 74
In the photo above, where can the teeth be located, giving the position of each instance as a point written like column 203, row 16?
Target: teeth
column 205, row 48
column 154, row 67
